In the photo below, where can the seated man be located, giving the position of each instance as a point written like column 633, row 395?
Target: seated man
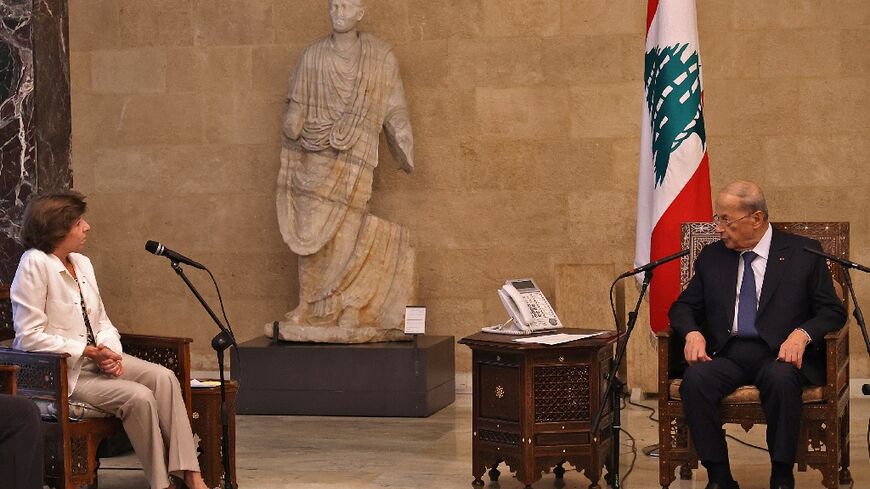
column 755, row 312
column 20, row 443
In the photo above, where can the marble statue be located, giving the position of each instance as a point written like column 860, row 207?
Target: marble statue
column 356, row 270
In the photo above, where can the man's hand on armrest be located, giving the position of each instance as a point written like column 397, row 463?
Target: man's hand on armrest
column 696, row 348
column 792, row 349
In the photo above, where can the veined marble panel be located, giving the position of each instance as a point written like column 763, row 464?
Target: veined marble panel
column 34, row 112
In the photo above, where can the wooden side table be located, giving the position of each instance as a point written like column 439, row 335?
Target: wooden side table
column 206, row 423
column 533, row 406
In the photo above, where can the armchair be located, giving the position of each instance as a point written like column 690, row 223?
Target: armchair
column 824, row 431
column 71, row 444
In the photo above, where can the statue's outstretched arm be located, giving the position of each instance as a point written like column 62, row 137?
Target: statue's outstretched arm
column 294, row 110
column 397, row 122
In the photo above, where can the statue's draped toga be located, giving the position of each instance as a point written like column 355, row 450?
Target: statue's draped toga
column 356, row 270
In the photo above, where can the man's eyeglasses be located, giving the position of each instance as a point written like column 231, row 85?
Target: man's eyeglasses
column 727, row 222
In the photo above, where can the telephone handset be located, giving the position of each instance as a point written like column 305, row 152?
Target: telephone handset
column 528, row 308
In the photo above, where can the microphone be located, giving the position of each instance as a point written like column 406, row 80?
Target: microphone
column 650, row 266
column 841, row 261
column 159, row 249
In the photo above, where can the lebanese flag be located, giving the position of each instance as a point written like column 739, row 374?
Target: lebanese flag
column 674, row 179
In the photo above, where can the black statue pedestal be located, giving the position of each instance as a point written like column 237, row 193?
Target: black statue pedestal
column 325, row 379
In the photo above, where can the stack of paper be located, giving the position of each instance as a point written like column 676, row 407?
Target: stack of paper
column 556, row 339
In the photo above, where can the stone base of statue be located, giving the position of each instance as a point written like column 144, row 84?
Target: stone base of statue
column 288, row 331
column 414, row 378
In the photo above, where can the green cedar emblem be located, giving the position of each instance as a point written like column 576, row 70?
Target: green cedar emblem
column 673, row 96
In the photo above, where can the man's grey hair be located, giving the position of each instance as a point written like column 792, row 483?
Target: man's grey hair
column 750, row 195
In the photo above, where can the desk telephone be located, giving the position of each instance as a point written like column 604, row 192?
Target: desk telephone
column 528, row 308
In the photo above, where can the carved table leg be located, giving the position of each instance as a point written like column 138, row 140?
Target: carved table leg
column 559, row 471
column 608, row 466
column 685, row 472
column 478, row 468
column 494, row 473
column 594, row 475
column 608, row 479
column 845, row 476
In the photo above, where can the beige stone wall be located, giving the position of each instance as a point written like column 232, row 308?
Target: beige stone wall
column 526, row 116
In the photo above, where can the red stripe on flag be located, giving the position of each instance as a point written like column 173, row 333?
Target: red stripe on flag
column 651, row 8
column 692, row 204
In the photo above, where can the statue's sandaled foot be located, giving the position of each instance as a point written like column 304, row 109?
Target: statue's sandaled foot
column 298, row 315
column 349, row 318
column 295, row 317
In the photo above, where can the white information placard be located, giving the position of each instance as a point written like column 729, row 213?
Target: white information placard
column 415, row 320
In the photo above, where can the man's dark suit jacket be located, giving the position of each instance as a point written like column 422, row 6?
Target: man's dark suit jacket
column 797, row 292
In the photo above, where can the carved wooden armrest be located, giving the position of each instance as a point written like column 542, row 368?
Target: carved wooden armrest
column 144, row 339
column 41, row 376
column 837, row 361
column 168, row 351
column 171, row 352
column 664, row 348
column 8, row 378
column 838, row 335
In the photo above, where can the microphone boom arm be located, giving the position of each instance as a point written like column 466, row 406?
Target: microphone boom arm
column 231, row 340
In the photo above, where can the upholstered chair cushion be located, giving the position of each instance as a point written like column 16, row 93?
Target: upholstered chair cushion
column 748, row 394
column 77, row 410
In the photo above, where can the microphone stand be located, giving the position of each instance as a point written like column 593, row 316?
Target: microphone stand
column 859, row 318
column 219, row 343
column 615, row 388
column 856, row 311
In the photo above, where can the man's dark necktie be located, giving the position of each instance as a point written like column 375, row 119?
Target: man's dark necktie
column 747, row 306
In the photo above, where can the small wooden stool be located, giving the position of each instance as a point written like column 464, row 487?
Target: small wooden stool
column 206, row 423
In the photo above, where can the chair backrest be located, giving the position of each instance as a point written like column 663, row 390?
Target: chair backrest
column 834, row 237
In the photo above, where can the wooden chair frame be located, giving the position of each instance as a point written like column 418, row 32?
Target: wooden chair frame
column 71, row 446
column 824, row 433
column 8, row 379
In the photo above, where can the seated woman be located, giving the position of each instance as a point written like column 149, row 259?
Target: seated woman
column 56, row 307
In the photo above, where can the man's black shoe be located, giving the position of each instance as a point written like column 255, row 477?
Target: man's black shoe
column 723, row 485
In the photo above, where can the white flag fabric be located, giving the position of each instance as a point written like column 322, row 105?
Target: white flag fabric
column 674, row 177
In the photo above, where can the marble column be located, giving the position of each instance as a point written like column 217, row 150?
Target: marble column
column 34, row 112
